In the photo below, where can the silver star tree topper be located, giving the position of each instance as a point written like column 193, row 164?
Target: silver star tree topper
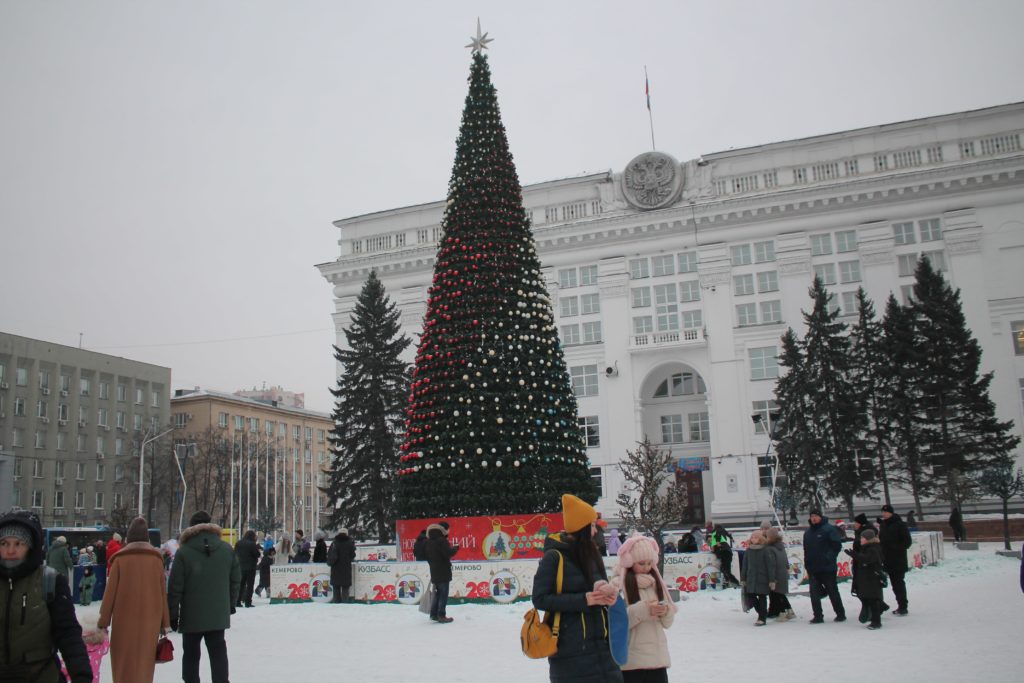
column 480, row 41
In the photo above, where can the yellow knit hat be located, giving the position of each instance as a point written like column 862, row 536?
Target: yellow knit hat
column 576, row 514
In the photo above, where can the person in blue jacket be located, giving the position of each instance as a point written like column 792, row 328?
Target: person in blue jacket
column 821, row 547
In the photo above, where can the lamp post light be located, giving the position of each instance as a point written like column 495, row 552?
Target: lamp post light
column 184, row 484
column 142, row 462
column 769, row 428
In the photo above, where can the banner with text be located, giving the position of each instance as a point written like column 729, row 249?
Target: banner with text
column 494, row 537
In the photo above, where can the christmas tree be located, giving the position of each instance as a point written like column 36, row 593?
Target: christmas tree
column 491, row 420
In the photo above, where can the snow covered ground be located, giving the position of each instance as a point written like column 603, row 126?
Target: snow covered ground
column 966, row 620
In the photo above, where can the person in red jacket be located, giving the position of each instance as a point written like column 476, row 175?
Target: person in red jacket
column 114, row 545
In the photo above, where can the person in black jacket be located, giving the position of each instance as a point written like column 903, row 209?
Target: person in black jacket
column 821, row 548
column 248, row 551
column 956, row 522
column 266, row 562
column 868, row 562
column 439, row 555
column 30, row 651
column 896, row 540
column 583, row 652
column 860, row 525
column 340, row 558
column 419, row 549
column 320, row 548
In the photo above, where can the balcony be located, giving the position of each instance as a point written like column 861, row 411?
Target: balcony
column 663, row 340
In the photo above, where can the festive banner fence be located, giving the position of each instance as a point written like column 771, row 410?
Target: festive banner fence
column 504, row 581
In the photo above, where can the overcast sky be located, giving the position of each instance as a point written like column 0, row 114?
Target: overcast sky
column 170, row 171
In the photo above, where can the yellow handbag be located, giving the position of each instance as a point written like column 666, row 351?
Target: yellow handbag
column 539, row 638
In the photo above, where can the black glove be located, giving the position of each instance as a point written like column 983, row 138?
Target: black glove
column 174, row 623
column 232, row 609
column 848, row 552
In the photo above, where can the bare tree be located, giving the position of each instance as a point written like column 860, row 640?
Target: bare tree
column 652, row 501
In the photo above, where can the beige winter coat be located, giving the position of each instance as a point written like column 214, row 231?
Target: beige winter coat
column 648, row 646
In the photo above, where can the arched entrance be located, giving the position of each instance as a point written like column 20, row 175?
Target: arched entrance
column 674, row 401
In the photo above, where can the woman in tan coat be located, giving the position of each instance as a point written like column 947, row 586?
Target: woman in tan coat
column 135, row 602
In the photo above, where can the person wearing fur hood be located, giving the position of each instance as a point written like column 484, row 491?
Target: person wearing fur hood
column 651, row 610
column 868, row 560
column 757, row 575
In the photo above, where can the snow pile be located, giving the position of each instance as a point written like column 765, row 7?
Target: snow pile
column 966, row 617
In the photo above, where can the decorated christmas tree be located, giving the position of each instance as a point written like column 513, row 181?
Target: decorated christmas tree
column 491, row 420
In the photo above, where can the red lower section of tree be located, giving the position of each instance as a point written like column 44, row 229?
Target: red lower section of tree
column 491, row 537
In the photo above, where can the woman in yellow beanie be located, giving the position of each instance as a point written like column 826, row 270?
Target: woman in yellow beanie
column 583, row 654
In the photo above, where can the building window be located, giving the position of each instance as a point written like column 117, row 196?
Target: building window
column 584, row 380
column 139, row 395
column 764, row 251
column 590, row 430
column 666, row 308
column 663, row 264
column 643, row 324
column 37, row 469
column 58, row 498
column 19, row 406
column 17, row 437
column 1017, row 333
column 768, row 281
column 907, row 294
column 821, row 244
column 852, row 167
column 740, row 255
column 849, row 303
column 122, row 392
column 41, row 408
column 154, row 399
column 743, row 284
column 763, row 363
column 765, row 470
column 567, row 278
column 595, row 476
column 688, row 262
column 309, row 435
column 590, row 304
column 881, row 162
column 254, row 425
column 62, row 441
column 641, row 297
column 689, row 290
column 118, row 446
column 321, row 435
column 672, row 429
column 282, row 429
column 680, row 384
column 80, row 472
column 100, row 472
column 588, row 275
column 570, row 335
column 849, row 271
column 99, row 500
column 101, row 417
column 639, row 268
column 101, row 446
column 21, row 377
column 44, row 379
column 930, row 229
column 222, row 420
column 906, row 263
column 771, row 311
column 568, row 306
column 239, row 423
column 764, row 409
column 37, row 498
column 826, row 272
column 104, row 388
column 935, row 154
column 700, row 427
column 966, row 150
column 799, row 176
column 40, row 439
column 691, row 320
column 84, row 386
column 746, row 314
column 937, row 259
column 136, row 422
column 592, row 332
column 903, row 233
column 118, row 472
column 846, row 240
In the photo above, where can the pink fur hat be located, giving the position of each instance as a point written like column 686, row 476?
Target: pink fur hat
column 638, row 548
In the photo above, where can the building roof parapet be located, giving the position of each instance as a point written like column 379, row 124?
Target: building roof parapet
column 181, row 395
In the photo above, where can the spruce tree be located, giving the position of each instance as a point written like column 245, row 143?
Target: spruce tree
column 370, row 400
column 492, row 425
column 871, row 381
column 838, row 419
column 901, row 360
column 801, row 460
column 959, row 432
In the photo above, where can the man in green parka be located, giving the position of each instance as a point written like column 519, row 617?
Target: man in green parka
column 201, row 594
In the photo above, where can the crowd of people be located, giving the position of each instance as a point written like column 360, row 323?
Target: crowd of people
column 208, row 579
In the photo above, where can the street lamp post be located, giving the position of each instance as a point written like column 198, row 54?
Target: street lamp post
column 142, row 462
column 769, row 428
column 184, row 484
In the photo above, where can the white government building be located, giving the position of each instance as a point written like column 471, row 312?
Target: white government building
column 673, row 282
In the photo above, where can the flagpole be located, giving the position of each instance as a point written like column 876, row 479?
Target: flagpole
column 650, row 117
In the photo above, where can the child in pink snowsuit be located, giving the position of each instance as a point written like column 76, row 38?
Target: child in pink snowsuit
column 97, row 644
